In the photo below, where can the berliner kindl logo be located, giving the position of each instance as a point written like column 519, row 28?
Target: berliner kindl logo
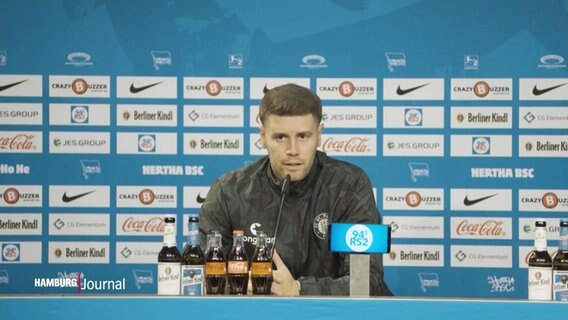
column 460, row 117
column 320, row 225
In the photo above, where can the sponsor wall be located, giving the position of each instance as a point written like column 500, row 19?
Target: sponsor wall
column 461, row 124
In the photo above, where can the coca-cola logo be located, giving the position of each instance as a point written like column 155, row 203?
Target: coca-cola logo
column 486, row 228
column 18, row 142
column 153, row 224
column 351, row 145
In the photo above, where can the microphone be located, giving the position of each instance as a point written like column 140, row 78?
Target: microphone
column 284, row 191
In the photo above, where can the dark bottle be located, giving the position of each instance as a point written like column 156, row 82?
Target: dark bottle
column 560, row 266
column 261, row 266
column 540, row 265
column 169, row 260
column 192, row 261
column 237, row 265
column 215, row 266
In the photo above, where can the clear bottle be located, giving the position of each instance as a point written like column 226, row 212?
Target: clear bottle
column 192, row 261
column 215, row 265
column 169, row 260
column 261, row 266
column 540, row 265
column 560, row 265
column 237, row 265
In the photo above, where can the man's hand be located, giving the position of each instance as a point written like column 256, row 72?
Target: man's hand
column 284, row 284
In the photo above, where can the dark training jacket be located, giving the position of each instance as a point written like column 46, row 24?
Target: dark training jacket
column 333, row 191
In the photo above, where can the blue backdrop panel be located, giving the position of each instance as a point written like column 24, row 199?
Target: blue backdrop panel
column 111, row 116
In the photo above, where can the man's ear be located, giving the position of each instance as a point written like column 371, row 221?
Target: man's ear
column 262, row 132
column 320, row 129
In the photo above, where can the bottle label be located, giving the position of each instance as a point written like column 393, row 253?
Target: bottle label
column 540, row 239
column 540, row 283
column 169, row 278
column 215, row 268
column 261, row 269
column 560, row 285
column 193, row 234
column 170, row 235
column 192, row 280
column 237, row 267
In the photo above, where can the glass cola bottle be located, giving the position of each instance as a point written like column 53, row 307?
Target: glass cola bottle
column 560, row 266
column 169, row 260
column 215, row 265
column 540, row 265
column 261, row 266
column 192, row 261
column 237, row 265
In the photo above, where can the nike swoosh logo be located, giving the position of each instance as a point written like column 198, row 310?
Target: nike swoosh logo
column 402, row 92
column 8, row 86
column 134, row 89
column 199, row 199
column 265, row 89
column 468, row 202
column 538, row 92
column 66, row 198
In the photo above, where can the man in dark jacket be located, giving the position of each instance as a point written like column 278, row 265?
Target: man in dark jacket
column 322, row 190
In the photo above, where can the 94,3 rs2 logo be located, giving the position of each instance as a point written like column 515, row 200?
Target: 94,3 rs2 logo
column 359, row 238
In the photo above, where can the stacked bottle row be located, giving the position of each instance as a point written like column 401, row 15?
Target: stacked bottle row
column 548, row 278
column 198, row 273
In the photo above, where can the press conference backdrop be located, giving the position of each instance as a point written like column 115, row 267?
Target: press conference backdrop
column 114, row 113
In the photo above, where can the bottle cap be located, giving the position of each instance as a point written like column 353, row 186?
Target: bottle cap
column 238, row 232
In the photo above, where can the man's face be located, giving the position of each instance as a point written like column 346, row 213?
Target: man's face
column 291, row 142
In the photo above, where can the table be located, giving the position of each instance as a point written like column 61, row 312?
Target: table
column 158, row 307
